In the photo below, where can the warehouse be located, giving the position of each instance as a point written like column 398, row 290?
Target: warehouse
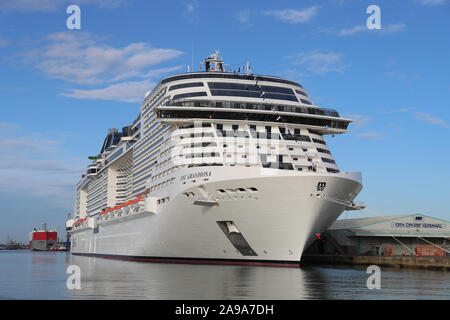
column 414, row 234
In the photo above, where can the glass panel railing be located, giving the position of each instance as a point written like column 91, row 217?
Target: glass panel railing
column 252, row 106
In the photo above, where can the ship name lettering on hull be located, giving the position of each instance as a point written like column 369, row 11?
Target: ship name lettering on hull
column 194, row 175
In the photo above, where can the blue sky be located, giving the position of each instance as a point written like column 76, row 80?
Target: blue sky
column 60, row 89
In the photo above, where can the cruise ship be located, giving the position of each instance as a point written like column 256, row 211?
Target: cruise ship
column 219, row 167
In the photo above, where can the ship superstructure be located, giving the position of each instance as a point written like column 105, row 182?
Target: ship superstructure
column 218, row 167
column 43, row 239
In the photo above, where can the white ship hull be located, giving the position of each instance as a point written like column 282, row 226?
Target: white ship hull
column 278, row 221
column 218, row 167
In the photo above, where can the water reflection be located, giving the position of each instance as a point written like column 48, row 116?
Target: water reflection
column 42, row 275
column 45, row 258
column 132, row 280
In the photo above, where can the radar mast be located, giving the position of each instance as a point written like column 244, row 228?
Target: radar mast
column 214, row 63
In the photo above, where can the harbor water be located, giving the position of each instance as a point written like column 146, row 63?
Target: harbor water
column 43, row 275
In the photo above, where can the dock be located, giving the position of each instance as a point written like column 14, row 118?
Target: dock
column 426, row 263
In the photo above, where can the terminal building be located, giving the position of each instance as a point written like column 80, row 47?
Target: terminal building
column 414, row 234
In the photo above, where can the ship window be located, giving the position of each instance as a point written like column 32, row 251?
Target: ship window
column 323, row 150
column 319, row 141
column 229, row 76
column 249, row 87
column 301, row 92
column 186, row 85
column 254, row 117
column 253, row 94
column 219, row 126
column 262, row 106
column 316, row 111
column 305, row 101
column 328, row 160
column 189, row 95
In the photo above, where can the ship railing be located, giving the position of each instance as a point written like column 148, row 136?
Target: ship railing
column 124, row 209
column 315, row 110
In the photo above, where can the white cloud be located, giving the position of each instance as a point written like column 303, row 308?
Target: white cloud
column 28, row 144
column 370, row 135
column 351, row 31
column 319, row 62
column 54, row 5
column 426, row 117
column 434, row 2
column 3, row 43
column 243, row 16
column 390, row 28
column 191, row 11
column 408, row 109
column 80, row 58
column 161, row 71
column 402, row 75
column 132, row 91
column 34, row 166
column 190, row 6
column 431, row 119
column 395, row 27
column 30, row 5
column 359, row 120
column 126, row 72
column 292, row 15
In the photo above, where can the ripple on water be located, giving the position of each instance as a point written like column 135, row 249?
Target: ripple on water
column 42, row 275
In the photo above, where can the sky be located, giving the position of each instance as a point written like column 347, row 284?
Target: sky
column 61, row 89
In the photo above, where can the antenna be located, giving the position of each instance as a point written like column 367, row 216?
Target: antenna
column 192, row 58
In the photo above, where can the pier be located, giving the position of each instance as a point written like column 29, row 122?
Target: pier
column 427, row 263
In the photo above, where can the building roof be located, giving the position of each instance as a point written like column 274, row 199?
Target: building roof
column 409, row 225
